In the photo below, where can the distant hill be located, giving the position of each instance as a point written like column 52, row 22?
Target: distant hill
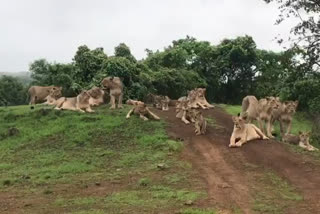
column 23, row 76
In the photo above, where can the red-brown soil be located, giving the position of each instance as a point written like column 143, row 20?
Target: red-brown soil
column 229, row 184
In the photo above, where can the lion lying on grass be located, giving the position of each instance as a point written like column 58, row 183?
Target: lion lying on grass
column 78, row 103
column 242, row 132
column 96, row 96
column 53, row 96
column 142, row 111
column 302, row 140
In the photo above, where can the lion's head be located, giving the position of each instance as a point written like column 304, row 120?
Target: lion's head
column 238, row 122
column 96, row 92
column 274, row 102
column 304, row 137
column 83, row 97
column 291, row 106
column 56, row 92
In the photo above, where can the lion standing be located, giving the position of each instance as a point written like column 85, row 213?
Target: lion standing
column 116, row 90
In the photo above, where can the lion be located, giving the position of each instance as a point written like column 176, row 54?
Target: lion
column 96, row 96
column 180, row 102
column 197, row 99
column 54, row 95
column 143, row 111
column 290, row 138
column 302, row 140
column 116, row 90
column 250, row 108
column 133, row 102
column 159, row 101
column 288, row 110
column 200, row 123
column 79, row 103
column 38, row 94
column 185, row 112
column 244, row 132
column 265, row 108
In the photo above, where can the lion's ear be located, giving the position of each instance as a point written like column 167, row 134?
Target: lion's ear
column 239, row 114
column 286, row 102
column 308, row 133
column 300, row 132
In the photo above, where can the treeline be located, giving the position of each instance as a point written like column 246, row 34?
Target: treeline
column 230, row 70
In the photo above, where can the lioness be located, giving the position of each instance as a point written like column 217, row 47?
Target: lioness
column 302, row 140
column 38, row 94
column 265, row 108
column 160, row 102
column 78, row 103
column 185, row 112
column 53, row 97
column 200, row 123
column 116, row 90
column 143, row 111
column 250, row 108
column 197, row 99
column 242, row 132
column 96, row 96
column 288, row 110
column 133, row 102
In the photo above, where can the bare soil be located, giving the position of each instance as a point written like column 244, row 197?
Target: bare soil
column 229, row 182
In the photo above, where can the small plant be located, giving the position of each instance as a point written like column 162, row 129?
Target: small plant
column 144, row 182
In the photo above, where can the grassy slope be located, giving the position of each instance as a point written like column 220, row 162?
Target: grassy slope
column 76, row 151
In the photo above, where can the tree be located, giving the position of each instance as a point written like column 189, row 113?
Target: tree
column 12, row 91
column 122, row 50
column 87, row 64
column 306, row 34
column 44, row 73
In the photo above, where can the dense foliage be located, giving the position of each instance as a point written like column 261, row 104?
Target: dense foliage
column 230, row 70
column 12, row 91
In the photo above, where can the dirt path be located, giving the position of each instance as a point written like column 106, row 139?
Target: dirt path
column 224, row 169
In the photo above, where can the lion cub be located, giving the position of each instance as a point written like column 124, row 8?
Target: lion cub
column 200, row 123
column 143, row 111
column 244, row 132
column 302, row 140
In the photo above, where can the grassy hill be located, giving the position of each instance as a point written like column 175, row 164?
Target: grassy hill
column 72, row 162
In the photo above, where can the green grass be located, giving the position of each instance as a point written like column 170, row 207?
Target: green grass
column 276, row 195
column 65, row 149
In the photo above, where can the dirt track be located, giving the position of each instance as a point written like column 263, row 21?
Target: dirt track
column 229, row 182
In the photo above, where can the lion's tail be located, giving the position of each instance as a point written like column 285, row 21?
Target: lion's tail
column 245, row 104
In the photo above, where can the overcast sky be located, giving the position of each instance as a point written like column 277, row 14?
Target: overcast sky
column 53, row 29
